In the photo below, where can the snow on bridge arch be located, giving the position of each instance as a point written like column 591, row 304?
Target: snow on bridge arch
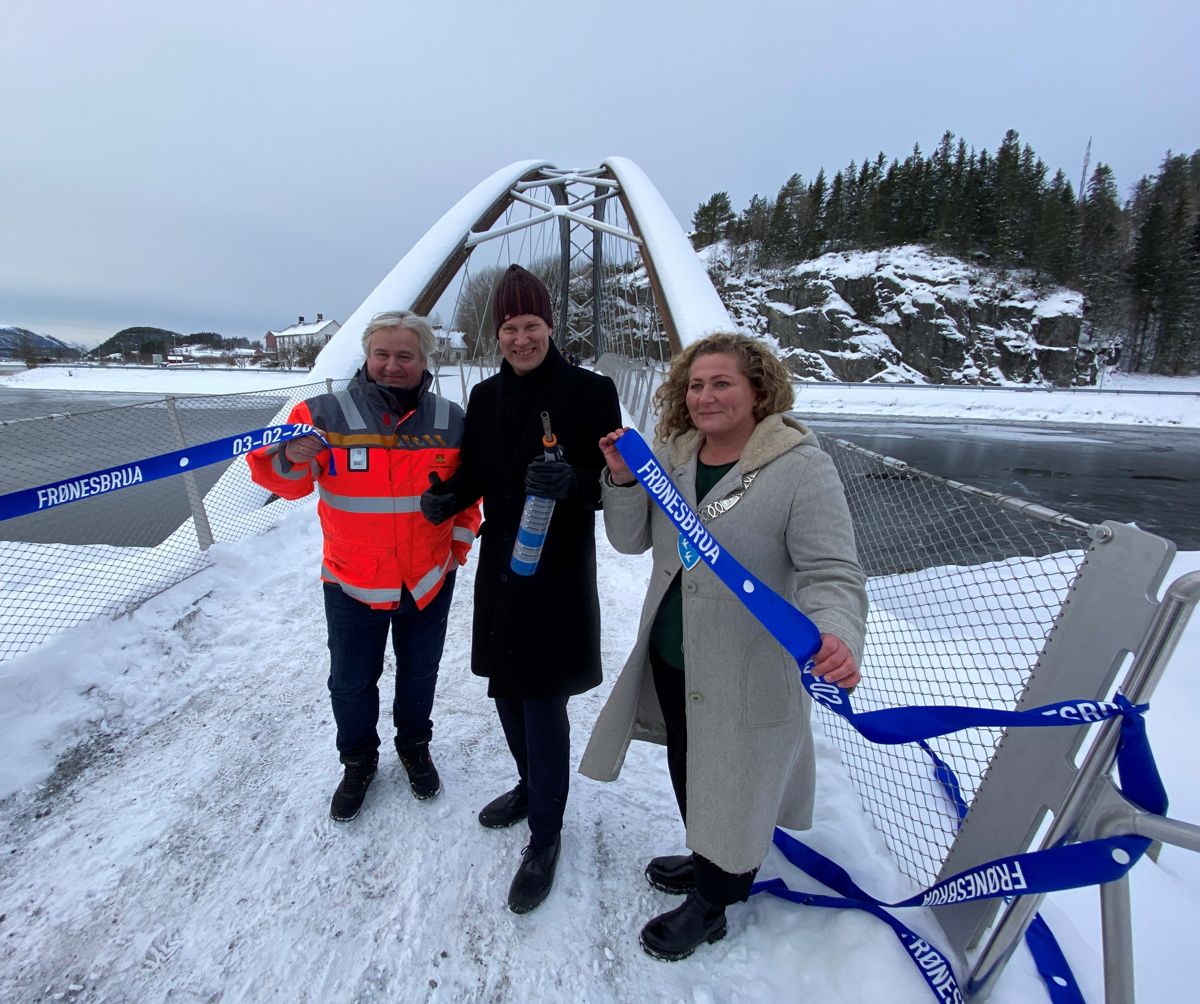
column 622, row 272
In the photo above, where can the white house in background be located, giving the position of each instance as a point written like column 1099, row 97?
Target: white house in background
column 319, row 331
column 451, row 345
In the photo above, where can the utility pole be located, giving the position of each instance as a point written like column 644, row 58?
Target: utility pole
column 1087, row 158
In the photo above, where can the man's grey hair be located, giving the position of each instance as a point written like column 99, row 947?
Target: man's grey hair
column 415, row 323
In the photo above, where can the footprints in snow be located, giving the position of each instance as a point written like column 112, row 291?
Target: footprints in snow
column 162, row 949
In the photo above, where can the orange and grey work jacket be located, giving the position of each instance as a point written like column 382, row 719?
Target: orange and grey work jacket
column 377, row 543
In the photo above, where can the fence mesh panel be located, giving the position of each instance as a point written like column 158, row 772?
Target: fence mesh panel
column 965, row 588
column 107, row 553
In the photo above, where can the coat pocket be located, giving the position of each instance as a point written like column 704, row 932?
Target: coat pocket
column 770, row 685
column 352, row 562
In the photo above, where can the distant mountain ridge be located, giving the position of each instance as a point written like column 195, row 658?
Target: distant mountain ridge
column 908, row 315
column 14, row 339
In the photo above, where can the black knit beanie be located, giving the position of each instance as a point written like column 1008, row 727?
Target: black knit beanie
column 521, row 292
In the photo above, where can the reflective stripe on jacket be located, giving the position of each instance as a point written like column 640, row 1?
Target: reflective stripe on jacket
column 377, row 543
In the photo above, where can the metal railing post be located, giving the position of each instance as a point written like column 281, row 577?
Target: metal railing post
column 204, row 534
column 1116, row 914
column 559, row 192
column 597, row 283
column 646, row 396
column 1116, row 927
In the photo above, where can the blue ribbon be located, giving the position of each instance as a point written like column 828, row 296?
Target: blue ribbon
column 801, row 637
column 1051, row 964
column 165, row 465
column 1067, row 866
column 1064, row 867
column 789, row 626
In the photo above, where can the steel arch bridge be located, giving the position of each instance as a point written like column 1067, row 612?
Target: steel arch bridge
column 630, row 291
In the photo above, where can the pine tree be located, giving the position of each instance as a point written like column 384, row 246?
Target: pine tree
column 1032, row 193
column 711, row 220
column 812, row 238
column 958, row 219
column 753, row 223
column 1007, row 195
column 1145, row 272
column 1056, row 246
column 1101, row 255
column 911, row 209
column 878, row 181
column 851, row 204
column 833, row 218
column 784, row 238
column 943, row 188
column 980, row 223
column 1176, row 291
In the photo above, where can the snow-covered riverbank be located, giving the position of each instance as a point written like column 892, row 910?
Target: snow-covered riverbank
column 1168, row 401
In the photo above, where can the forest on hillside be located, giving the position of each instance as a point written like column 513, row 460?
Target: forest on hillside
column 145, row 340
column 1137, row 262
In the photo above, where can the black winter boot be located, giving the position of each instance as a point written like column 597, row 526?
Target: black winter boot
column 675, row 935
column 348, row 798
column 673, row 873
column 509, row 808
column 534, row 877
column 422, row 774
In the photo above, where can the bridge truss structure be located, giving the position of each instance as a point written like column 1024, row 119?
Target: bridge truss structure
column 629, row 288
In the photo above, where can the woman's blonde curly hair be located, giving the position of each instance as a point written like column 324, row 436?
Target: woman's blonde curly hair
column 771, row 380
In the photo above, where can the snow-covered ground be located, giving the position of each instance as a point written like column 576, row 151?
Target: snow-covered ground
column 164, row 830
column 152, row 379
column 1171, row 401
column 1122, row 400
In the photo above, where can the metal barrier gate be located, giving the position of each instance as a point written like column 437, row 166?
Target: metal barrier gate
column 987, row 600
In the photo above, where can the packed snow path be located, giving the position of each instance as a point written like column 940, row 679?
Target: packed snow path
column 193, row 858
column 182, row 850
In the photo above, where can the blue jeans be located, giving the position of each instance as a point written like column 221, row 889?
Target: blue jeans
column 357, row 636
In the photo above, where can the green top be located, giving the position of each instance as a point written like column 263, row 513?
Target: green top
column 666, row 633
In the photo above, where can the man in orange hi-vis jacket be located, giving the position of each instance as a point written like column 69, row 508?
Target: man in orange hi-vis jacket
column 385, row 566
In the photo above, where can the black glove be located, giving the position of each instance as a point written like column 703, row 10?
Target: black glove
column 437, row 503
column 549, row 479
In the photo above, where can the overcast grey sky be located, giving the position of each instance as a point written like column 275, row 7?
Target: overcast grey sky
column 228, row 166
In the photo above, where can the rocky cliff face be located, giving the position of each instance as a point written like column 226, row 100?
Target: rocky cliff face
column 908, row 315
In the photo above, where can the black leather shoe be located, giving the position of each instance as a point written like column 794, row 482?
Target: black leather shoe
column 422, row 774
column 675, row 935
column 509, row 808
column 348, row 798
column 673, row 873
column 534, row 877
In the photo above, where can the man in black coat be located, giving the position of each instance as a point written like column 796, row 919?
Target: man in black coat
column 536, row 638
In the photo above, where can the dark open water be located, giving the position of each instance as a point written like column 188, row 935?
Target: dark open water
column 1148, row 476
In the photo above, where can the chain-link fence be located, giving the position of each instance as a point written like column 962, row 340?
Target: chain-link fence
column 107, row 553
column 965, row 586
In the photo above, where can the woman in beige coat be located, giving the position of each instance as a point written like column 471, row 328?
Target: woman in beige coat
column 704, row 677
